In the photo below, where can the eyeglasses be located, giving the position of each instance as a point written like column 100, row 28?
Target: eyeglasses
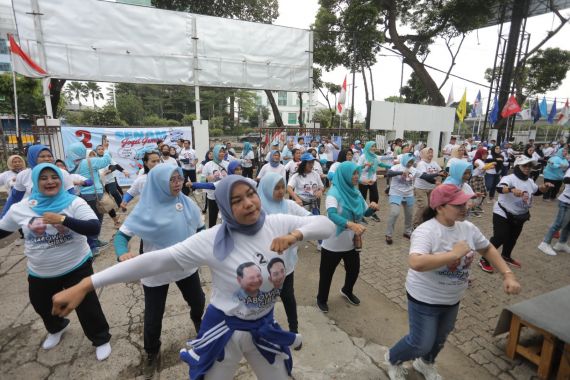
column 176, row 179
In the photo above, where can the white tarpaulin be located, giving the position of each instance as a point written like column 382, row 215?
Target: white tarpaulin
column 112, row 42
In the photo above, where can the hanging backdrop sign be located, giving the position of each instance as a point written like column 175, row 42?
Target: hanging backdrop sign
column 126, row 145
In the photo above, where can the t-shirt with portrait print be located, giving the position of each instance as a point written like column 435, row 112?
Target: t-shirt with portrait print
column 52, row 250
column 306, row 186
column 219, row 171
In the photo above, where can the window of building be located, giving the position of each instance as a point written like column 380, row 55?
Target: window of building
column 282, row 98
column 4, row 46
column 291, row 118
column 5, row 66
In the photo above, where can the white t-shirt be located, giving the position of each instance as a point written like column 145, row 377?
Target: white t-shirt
column 292, row 167
column 429, row 168
column 169, row 161
column 8, row 179
column 565, row 195
column 290, row 256
column 329, row 151
column 444, row 285
column 515, row 205
column 454, row 159
column 24, row 181
column 267, row 168
column 52, row 250
column 447, row 150
column 163, row 278
column 247, row 160
column 317, row 168
column 342, row 242
column 333, row 167
column 306, row 186
column 137, row 185
column 548, row 151
column 400, row 185
column 188, row 154
column 227, row 292
column 219, row 171
column 478, row 168
column 365, row 169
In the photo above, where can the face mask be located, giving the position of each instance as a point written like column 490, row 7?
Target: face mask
column 166, row 154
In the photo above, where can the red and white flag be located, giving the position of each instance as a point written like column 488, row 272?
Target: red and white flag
column 564, row 115
column 341, row 97
column 22, row 62
column 511, row 107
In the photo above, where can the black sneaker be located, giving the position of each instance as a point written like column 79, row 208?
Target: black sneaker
column 323, row 306
column 151, row 365
column 350, row 297
column 375, row 217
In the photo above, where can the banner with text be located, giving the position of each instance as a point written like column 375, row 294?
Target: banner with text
column 126, row 145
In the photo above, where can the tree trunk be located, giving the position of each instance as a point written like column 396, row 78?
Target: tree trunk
column 300, row 118
column 275, row 109
column 371, row 83
column 232, row 109
column 435, row 97
column 56, row 85
column 367, row 122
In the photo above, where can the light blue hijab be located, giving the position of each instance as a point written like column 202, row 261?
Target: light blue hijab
column 246, row 149
column 45, row 203
column 266, row 187
column 160, row 217
column 74, row 154
column 216, row 152
column 406, row 158
column 224, row 241
column 347, row 195
column 371, row 158
column 456, row 171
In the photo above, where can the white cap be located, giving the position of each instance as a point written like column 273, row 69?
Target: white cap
column 523, row 160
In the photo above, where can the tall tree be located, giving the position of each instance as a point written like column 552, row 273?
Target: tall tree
column 75, row 91
column 30, row 99
column 94, row 90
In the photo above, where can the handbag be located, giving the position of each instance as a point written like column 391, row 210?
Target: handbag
column 106, row 203
column 516, row 219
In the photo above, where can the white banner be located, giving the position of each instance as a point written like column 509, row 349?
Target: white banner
column 112, row 42
column 126, row 145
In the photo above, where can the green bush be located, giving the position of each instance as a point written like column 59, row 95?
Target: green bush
column 216, row 132
column 188, row 119
column 172, row 123
column 216, row 122
column 154, row 120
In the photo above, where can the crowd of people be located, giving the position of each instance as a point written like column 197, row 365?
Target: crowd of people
column 260, row 204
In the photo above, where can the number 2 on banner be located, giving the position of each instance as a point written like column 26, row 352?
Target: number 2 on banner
column 86, row 137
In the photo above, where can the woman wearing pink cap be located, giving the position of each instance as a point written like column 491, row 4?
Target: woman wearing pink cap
column 442, row 250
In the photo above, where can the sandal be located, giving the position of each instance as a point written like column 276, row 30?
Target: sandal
column 389, row 240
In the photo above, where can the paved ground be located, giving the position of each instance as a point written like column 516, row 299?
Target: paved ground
column 349, row 342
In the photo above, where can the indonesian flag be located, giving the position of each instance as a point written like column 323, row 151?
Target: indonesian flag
column 564, row 115
column 342, row 96
column 22, row 62
column 511, row 108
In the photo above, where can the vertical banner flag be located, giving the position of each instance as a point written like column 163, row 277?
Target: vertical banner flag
column 543, row 110
column 461, row 110
column 511, row 107
column 536, row 114
column 494, row 115
column 564, row 115
column 23, row 64
column 450, row 97
column 342, row 96
column 552, row 113
column 127, row 146
column 477, row 106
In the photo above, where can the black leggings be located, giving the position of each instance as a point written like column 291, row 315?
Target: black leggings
column 248, row 172
column 552, row 192
column 212, row 212
column 505, row 233
column 289, row 302
column 329, row 262
column 154, row 304
column 89, row 311
column 374, row 197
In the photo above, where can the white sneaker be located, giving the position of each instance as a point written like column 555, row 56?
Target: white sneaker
column 428, row 370
column 103, row 351
column 546, row 249
column 395, row 372
column 564, row 247
column 318, row 247
column 53, row 340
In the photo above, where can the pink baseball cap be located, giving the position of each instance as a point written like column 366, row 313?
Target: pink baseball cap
column 448, row 194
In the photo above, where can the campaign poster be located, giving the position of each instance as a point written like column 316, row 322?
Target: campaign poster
column 126, row 145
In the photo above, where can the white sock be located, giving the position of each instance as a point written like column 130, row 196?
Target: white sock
column 53, row 340
column 103, row 351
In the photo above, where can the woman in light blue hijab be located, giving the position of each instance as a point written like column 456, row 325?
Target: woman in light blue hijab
column 164, row 216
column 272, row 192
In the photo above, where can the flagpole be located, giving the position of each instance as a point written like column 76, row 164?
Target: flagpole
column 17, row 115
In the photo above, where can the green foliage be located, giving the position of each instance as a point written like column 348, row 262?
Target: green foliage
column 216, row 122
column 107, row 116
column 153, row 120
column 76, row 91
column 130, row 108
column 414, row 91
column 394, row 99
column 188, row 119
column 327, row 118
column 254, row 116
column 30, row 98
column 94, row 90
column 172, row 123
column 73, row 117
column 248, row 10
column 215, row 132
column 546, row 70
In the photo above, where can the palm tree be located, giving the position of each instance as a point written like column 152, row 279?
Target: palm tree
column 75, row 91
column 94, row 90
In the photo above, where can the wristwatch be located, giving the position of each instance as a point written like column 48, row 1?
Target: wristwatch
column 62, row 219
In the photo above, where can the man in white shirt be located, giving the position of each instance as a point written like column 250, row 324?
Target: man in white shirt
column 188, row 161
column 165, row 155
column 447, row 149
column 330, row 146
